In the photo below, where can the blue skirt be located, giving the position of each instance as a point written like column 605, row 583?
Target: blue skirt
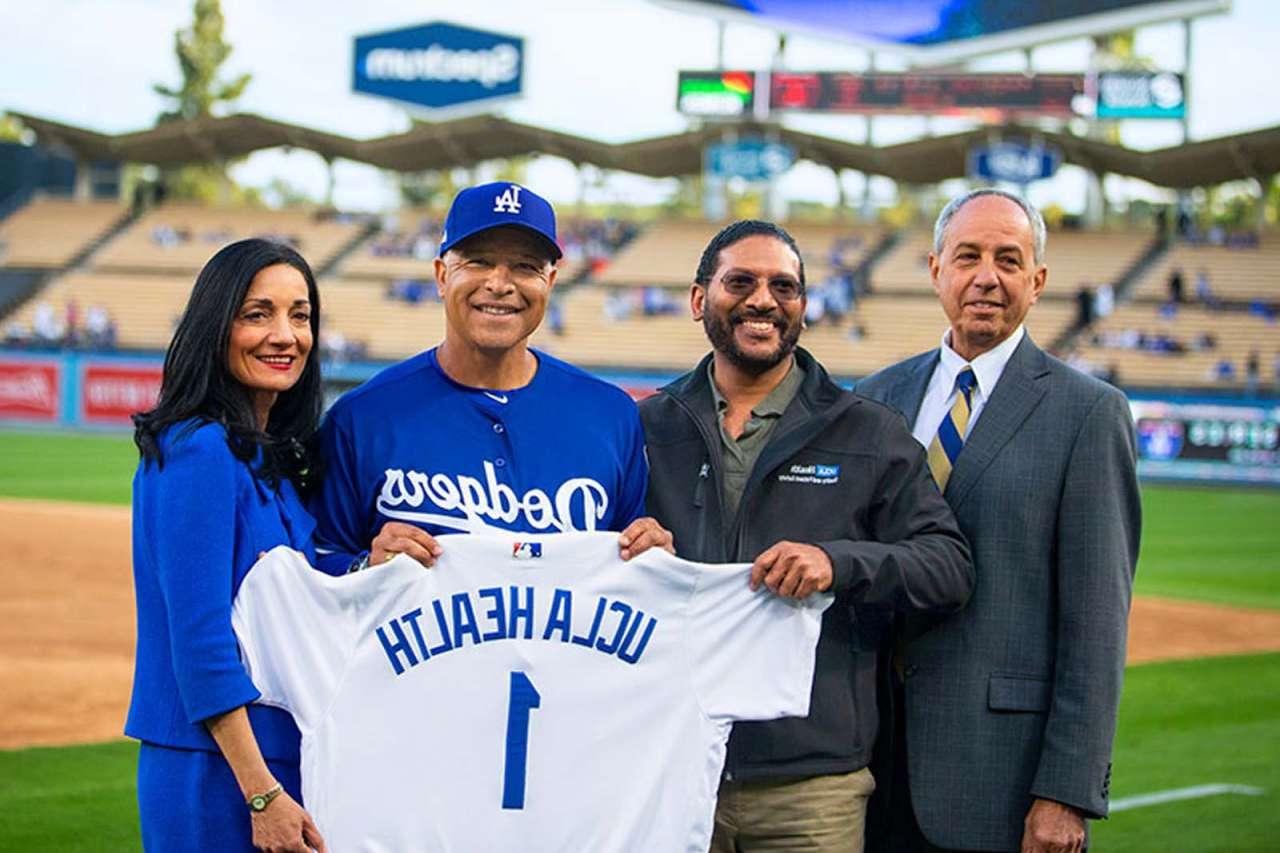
column 188, row 800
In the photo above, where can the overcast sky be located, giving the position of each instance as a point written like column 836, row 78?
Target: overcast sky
column 599, row 68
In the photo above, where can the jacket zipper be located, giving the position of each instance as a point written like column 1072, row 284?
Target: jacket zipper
column 709, row 468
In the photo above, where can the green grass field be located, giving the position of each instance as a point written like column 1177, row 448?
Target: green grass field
column 1181, row 724
column 90, row 468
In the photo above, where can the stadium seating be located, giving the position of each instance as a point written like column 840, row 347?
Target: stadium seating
column 49, row 232
column 145, row 308
column 179, row 238
column 144, row 285
column 375, row 260
column 1234, row 273
column 1074, row 258
column 667, row 253
column 360, row 311
column 895, row 327
column 1235, row 335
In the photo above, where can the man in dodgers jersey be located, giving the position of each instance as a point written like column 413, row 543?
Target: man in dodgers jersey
column 534, row 695
column 481, row 431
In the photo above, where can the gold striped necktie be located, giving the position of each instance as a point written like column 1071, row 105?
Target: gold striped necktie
column 949, row 440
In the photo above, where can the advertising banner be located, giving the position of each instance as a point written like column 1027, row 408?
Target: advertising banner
column 110, row 393
column 1208, row 441
column 937, row 32
column 30, row 390
column 439, row 65
column 716, row 94
column 1015, row 162
column 921, row 93
column 1141, row 94
column 752, row 159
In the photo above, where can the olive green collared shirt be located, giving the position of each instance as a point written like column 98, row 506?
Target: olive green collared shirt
column 738, row 456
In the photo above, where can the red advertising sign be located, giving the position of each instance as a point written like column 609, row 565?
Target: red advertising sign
column 29, row 390
column 111, row 393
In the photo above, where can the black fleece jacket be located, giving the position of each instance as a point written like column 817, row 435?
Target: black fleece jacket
column 841, row 472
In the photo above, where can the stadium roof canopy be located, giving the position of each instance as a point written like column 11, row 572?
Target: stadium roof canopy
column 467, row 141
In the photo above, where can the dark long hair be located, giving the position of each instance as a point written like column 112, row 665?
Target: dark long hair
column 198, row 384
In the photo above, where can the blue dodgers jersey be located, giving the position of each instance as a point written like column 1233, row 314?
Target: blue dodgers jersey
column 564, row 453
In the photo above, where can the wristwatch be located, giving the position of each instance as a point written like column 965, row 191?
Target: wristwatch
column 259, row 802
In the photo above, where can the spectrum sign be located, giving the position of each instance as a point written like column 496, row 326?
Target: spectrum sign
column 439, row 65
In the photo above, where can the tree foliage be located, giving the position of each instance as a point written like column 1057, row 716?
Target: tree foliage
column 201, row 51
column 12, row 130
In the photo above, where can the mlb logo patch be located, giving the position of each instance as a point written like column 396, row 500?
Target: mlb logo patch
column 526, row 550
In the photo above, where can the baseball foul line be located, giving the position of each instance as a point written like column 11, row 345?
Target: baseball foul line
column 1175, row 794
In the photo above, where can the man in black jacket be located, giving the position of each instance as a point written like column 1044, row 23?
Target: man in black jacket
column 757, row 456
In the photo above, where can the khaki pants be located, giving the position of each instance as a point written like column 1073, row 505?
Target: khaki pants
column 823, row 814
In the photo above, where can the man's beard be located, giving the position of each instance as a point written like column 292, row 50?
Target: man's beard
column 720, row 328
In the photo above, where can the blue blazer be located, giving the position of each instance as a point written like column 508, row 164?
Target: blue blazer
column 199, row 524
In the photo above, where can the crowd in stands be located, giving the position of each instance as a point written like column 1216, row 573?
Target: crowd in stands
column 1160, row 342
column 420, row 242
column 650, row 301
column 412, row 290
column 593, row 242
column 166, row 236
column 1215, row 235
column 336, row 348
column 96, row 330
column 832, row 300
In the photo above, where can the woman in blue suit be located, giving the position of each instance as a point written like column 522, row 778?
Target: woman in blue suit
column 221, row 455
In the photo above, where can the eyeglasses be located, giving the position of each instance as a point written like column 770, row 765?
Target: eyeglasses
column 783, row 288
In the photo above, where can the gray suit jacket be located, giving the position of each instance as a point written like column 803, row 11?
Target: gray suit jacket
column 1016, row 696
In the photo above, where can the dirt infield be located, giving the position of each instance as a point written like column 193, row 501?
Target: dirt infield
column 66, row 624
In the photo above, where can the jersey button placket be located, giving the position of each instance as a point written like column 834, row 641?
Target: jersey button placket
column 500, row 430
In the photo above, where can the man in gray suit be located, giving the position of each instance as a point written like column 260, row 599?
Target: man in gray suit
column 1005, row 712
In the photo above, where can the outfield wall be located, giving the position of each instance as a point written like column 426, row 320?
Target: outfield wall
column 1180, row 438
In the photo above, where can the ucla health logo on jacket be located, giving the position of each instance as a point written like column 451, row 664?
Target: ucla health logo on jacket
column 822, row 475
column 472, row 503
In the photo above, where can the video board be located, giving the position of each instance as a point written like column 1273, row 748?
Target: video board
column 933, row 94
column 1217, row 442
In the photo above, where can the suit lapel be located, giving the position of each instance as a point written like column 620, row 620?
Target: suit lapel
column 1016, row 395
column 908, row 394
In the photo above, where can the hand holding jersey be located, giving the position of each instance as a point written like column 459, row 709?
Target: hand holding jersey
column 793, row 569
column 397, row 537
column 532, row 695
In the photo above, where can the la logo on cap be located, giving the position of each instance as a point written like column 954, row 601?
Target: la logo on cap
column 508, row 202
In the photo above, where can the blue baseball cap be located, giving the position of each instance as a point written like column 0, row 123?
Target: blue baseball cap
column 477, row 209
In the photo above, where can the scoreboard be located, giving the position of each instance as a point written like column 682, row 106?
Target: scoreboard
column 933, row 94
column 1209, row 441
column 745, row 94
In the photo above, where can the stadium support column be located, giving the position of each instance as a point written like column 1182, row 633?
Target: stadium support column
column 1186, row 80
column 1095, row 199
column 83, row 190
column 1264, row 184
column 842, row 198
column 330, row 180
column 580, row 206
column 865, row 206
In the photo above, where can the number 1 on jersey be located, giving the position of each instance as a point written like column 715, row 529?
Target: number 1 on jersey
column 524, row 697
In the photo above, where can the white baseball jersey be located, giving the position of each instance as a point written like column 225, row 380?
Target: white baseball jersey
column 528, row 693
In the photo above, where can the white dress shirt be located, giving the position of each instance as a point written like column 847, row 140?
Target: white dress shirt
column 940, row 396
